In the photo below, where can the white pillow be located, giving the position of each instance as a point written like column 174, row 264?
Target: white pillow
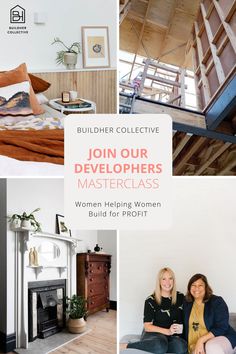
column 42, row 99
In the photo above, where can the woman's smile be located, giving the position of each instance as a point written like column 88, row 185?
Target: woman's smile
column 198, row 289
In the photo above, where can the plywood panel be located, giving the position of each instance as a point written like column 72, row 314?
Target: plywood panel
column 204, row 41
column 213, row 80
column 207, row 4
column 98, row 86
column 190, row 7
column 233, row 23
column 228, row 58
column 130, row 30
column 225, row 5
column 203, row 102
column 167, row 29
column 160, row 12
column 139, row 7
column 214, row 21
column 199, row 19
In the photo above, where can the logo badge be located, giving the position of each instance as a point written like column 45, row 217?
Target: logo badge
column 17, row 14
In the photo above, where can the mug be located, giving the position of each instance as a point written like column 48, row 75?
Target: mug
column 73, row 95
column 179, row 328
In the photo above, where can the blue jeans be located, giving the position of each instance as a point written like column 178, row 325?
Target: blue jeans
column 158, row 343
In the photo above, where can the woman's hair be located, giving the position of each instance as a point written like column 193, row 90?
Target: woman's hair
column 208, row 289
column 157, row 291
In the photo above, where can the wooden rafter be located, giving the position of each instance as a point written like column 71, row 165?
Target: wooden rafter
column 179, row 166
column 181, row 145
column 210, row 160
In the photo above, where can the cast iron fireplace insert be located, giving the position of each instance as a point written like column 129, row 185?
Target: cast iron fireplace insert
column 46, row 308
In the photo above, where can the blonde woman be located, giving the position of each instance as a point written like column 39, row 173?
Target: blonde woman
column 206, row 318
column 163, row 318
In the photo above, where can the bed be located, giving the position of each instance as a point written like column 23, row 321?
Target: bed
column 33, row 146
column 31, row 132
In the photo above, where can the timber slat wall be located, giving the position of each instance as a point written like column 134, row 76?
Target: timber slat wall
column 98, row 86
column 214, row 41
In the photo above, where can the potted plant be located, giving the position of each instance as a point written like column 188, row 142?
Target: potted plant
column 26, row 221
column 69, row 55
column 76, row 308
column 15, row 221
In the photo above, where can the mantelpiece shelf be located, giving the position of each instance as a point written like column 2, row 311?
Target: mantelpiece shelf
column 38, row 269
column 31, row 233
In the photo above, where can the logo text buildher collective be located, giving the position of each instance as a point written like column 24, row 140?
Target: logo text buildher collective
column 17, row 18
column 17, row 14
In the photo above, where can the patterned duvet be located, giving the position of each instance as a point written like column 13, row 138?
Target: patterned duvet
column 35, row 123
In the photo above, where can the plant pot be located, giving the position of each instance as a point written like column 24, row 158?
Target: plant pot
column 77, row 325
column 26, row 224
column 70, row 60
column 15, row 224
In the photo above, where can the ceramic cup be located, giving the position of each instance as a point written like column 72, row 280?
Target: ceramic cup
column 73, row 95
column 179, row 328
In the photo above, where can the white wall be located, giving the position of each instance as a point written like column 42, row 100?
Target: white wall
column 88, row 237
column 64, row 20
column 3, row 260
column 202, row 239
column 108, row 241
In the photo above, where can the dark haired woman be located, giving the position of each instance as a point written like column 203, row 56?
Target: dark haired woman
column 163, row 318
column 206, row 319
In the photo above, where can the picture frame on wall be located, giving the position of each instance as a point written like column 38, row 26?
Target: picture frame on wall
column 62, row 229
column 96, row 50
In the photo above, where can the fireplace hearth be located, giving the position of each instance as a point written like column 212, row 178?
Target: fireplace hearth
column 46, row 308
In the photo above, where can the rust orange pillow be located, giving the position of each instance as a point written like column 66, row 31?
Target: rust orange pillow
column 39, row 85
column 16, row 76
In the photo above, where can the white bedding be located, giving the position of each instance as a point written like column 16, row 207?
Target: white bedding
column 13, row 168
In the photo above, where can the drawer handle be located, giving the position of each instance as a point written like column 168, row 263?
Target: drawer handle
column 91, row 279
column 91, row 290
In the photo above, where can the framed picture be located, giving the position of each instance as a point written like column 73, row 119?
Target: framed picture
column 96, row 51
column 62, row 229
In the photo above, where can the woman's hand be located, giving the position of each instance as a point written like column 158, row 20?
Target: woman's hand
column 173, row 329
column 199, row 349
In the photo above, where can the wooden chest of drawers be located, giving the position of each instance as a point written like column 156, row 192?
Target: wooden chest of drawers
column 93, row 271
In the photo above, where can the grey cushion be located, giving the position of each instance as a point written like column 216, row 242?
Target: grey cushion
column 232, row 320
column 131, row 338
column 132, row 351
column 135, row 351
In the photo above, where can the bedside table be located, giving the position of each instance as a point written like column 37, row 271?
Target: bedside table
column 54, row 104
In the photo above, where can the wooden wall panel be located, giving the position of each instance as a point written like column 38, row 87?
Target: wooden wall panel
column 98, row 86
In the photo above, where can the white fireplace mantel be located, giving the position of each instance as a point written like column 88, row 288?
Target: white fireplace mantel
column 62, row 267
column 28, row 234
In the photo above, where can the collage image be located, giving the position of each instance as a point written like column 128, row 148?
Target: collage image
column 140, row 287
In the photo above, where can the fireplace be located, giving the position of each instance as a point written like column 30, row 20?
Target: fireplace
column 46, row 308
column 40, row 290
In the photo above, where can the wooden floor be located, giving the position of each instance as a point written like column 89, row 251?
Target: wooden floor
column 101, row 339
